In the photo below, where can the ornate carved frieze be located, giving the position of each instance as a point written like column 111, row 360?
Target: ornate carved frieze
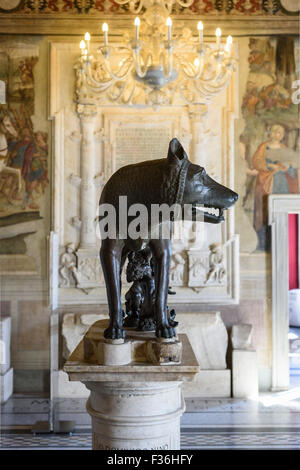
column 207, row 268
column 80, row 268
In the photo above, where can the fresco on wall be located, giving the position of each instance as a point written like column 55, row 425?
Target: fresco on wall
column 23, row 153
column 270, row 141
column 203, row 7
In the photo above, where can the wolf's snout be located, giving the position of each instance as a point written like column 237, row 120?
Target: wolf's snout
column 232, row 198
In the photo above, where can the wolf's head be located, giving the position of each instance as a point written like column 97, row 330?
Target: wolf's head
column 197, row 189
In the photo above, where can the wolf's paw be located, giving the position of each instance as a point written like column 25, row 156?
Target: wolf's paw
column 114, row 333
column 164, row 331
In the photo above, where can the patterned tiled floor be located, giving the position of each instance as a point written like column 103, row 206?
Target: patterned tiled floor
column 270, row 422
column 190, row 439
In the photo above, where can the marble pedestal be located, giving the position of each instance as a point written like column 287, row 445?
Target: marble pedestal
column 6, row 372
column 136, row 405
column 244, row 374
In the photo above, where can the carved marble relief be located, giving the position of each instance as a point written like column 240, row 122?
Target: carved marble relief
column 177, row 269
column 207, row 268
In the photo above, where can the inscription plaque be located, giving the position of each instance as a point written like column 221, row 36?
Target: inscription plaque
column 140, row 143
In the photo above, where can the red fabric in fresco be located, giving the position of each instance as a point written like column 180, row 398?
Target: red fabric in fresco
column 293, row 251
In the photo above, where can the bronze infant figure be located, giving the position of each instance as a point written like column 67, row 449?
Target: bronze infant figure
column 171, row 180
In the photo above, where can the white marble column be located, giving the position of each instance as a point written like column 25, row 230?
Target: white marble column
column 88, row 263
column 87, row 115
column 197, row 115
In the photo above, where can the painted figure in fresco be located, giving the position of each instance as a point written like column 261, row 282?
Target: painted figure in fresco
column 37, row 177
column 276, row 175
column 29, row 156
column 7, row 172
column 22, row 153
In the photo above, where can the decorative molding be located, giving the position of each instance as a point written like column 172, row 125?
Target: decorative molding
column 279, row 207
column 244, row 25
column 87, row 8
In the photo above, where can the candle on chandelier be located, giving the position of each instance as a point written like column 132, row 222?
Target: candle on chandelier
column 218, row 37
column 105, row 32
column 229, row 44
column 82, row 46
column 200, row 29
column 87, row 38
column 169, row 24
column 137, row 23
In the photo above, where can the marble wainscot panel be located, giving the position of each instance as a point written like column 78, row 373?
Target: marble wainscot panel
column 137, row 405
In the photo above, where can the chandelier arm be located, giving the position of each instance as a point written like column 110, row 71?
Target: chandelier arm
column 121, row 94
column 90, row 80
column 98, row 89
column 167, row 64
column 130, row 96
column 112, row 74
column 112, row 98
column 198, row 71
column 138, row 67
column 198, row 77
column 207, row 88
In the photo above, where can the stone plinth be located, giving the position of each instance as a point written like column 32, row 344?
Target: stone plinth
column 209, row 339
column 244, row 374
column 206, row 333
column 6, row 372
column 136, row 405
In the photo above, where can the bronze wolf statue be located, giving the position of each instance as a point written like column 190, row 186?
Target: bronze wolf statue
column 171, row 180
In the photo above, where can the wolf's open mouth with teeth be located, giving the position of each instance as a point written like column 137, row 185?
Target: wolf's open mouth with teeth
column 208, row 214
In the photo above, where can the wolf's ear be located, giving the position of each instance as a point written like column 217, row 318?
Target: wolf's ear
column 176, row 153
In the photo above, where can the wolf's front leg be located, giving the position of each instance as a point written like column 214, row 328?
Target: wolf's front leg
column 110, row 255
column 161, row 250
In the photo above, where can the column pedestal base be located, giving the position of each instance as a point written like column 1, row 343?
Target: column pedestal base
column 137, row 405
column 135, row 416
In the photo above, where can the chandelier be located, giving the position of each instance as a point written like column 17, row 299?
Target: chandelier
column 154, row 65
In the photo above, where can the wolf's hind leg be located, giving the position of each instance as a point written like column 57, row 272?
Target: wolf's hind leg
column 110, row 255
column 161, row 250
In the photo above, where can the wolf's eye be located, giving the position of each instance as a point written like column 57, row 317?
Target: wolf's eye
column 200, row 172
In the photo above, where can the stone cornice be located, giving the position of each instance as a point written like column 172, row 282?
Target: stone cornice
column 71, row 25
